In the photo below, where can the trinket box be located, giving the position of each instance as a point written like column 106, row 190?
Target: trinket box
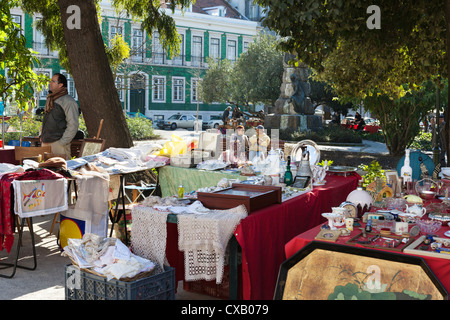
column 254, row 197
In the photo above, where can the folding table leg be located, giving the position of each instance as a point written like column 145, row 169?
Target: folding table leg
column 15, row 265
column 234, row 280
column 115, row 219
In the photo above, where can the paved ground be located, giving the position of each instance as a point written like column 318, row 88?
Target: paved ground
column 47, row 281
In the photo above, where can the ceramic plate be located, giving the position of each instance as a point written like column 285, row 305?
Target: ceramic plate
column 447, row 234
column 311, row 146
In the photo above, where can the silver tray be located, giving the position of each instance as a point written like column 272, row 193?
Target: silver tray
column 439, row 217
column 341, row 169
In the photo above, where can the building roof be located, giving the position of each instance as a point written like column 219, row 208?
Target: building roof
column 201, row 5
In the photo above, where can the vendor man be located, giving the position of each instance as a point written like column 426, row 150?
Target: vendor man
column 60, row 121
column 258, row 143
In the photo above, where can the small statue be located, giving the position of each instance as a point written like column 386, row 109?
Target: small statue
column 298, row 96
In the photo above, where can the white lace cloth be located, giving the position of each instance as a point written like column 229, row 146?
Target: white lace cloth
column 202, row 237
column 149, row 234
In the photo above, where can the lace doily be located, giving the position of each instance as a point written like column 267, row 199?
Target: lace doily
column 149, row 234
column 204, row 239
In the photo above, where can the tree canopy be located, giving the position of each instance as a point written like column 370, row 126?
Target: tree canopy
column 335, row 37
column 255, row 77
column 383, row 53
column 19, row 80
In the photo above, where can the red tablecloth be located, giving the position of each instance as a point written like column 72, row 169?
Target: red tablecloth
column 264, row 234
column 439, row 266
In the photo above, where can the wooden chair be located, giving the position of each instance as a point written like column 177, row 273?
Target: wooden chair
column 91, row 146
column 27, row 152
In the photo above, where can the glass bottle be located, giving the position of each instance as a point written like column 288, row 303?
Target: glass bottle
column 180, row 192
column 288, row 173
column 406, row 170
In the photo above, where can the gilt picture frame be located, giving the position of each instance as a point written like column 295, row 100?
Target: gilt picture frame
column 328, row 271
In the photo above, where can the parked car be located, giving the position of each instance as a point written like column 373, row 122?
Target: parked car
column 371, row 121
column 214, row 122
column 138, row 115
column 179, row 121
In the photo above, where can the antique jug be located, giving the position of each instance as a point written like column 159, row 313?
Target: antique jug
column 304, row 168
column 272, row 163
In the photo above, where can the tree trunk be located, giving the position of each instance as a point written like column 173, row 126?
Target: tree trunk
column 92, row 74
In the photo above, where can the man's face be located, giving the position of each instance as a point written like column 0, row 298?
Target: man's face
column 240, row 132
column 54, row 85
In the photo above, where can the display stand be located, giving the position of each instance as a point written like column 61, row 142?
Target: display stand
column 15, row 265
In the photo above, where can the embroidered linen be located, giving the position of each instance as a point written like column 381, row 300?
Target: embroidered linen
column 7, row 213
column 149, row 234
column 39, row 197
column 204, row 239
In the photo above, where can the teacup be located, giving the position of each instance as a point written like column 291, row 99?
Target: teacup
column 339, row 210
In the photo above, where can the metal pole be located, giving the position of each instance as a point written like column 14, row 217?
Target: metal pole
column 436, row 151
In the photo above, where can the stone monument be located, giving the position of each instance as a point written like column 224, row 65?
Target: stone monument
column 293, row 109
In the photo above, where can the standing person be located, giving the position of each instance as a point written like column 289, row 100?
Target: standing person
column 225, row 115
column 335, row 118
column 358, row 118
column 239, row 144
column 258, row 143
column 60, row 121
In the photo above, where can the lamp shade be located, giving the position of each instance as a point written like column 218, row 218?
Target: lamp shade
column 361, row 197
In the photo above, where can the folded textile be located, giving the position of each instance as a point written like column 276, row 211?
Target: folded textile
column 7, row 167
column 123, row 154
column 195, row 208
column 107, row 256
column 76, row 163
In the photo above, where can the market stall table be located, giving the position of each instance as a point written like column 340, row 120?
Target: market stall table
column 7, row 155
column 439, row 266
column 264, row 233
column 171, row 177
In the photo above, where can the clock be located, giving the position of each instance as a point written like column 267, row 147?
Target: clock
column 352, row 209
